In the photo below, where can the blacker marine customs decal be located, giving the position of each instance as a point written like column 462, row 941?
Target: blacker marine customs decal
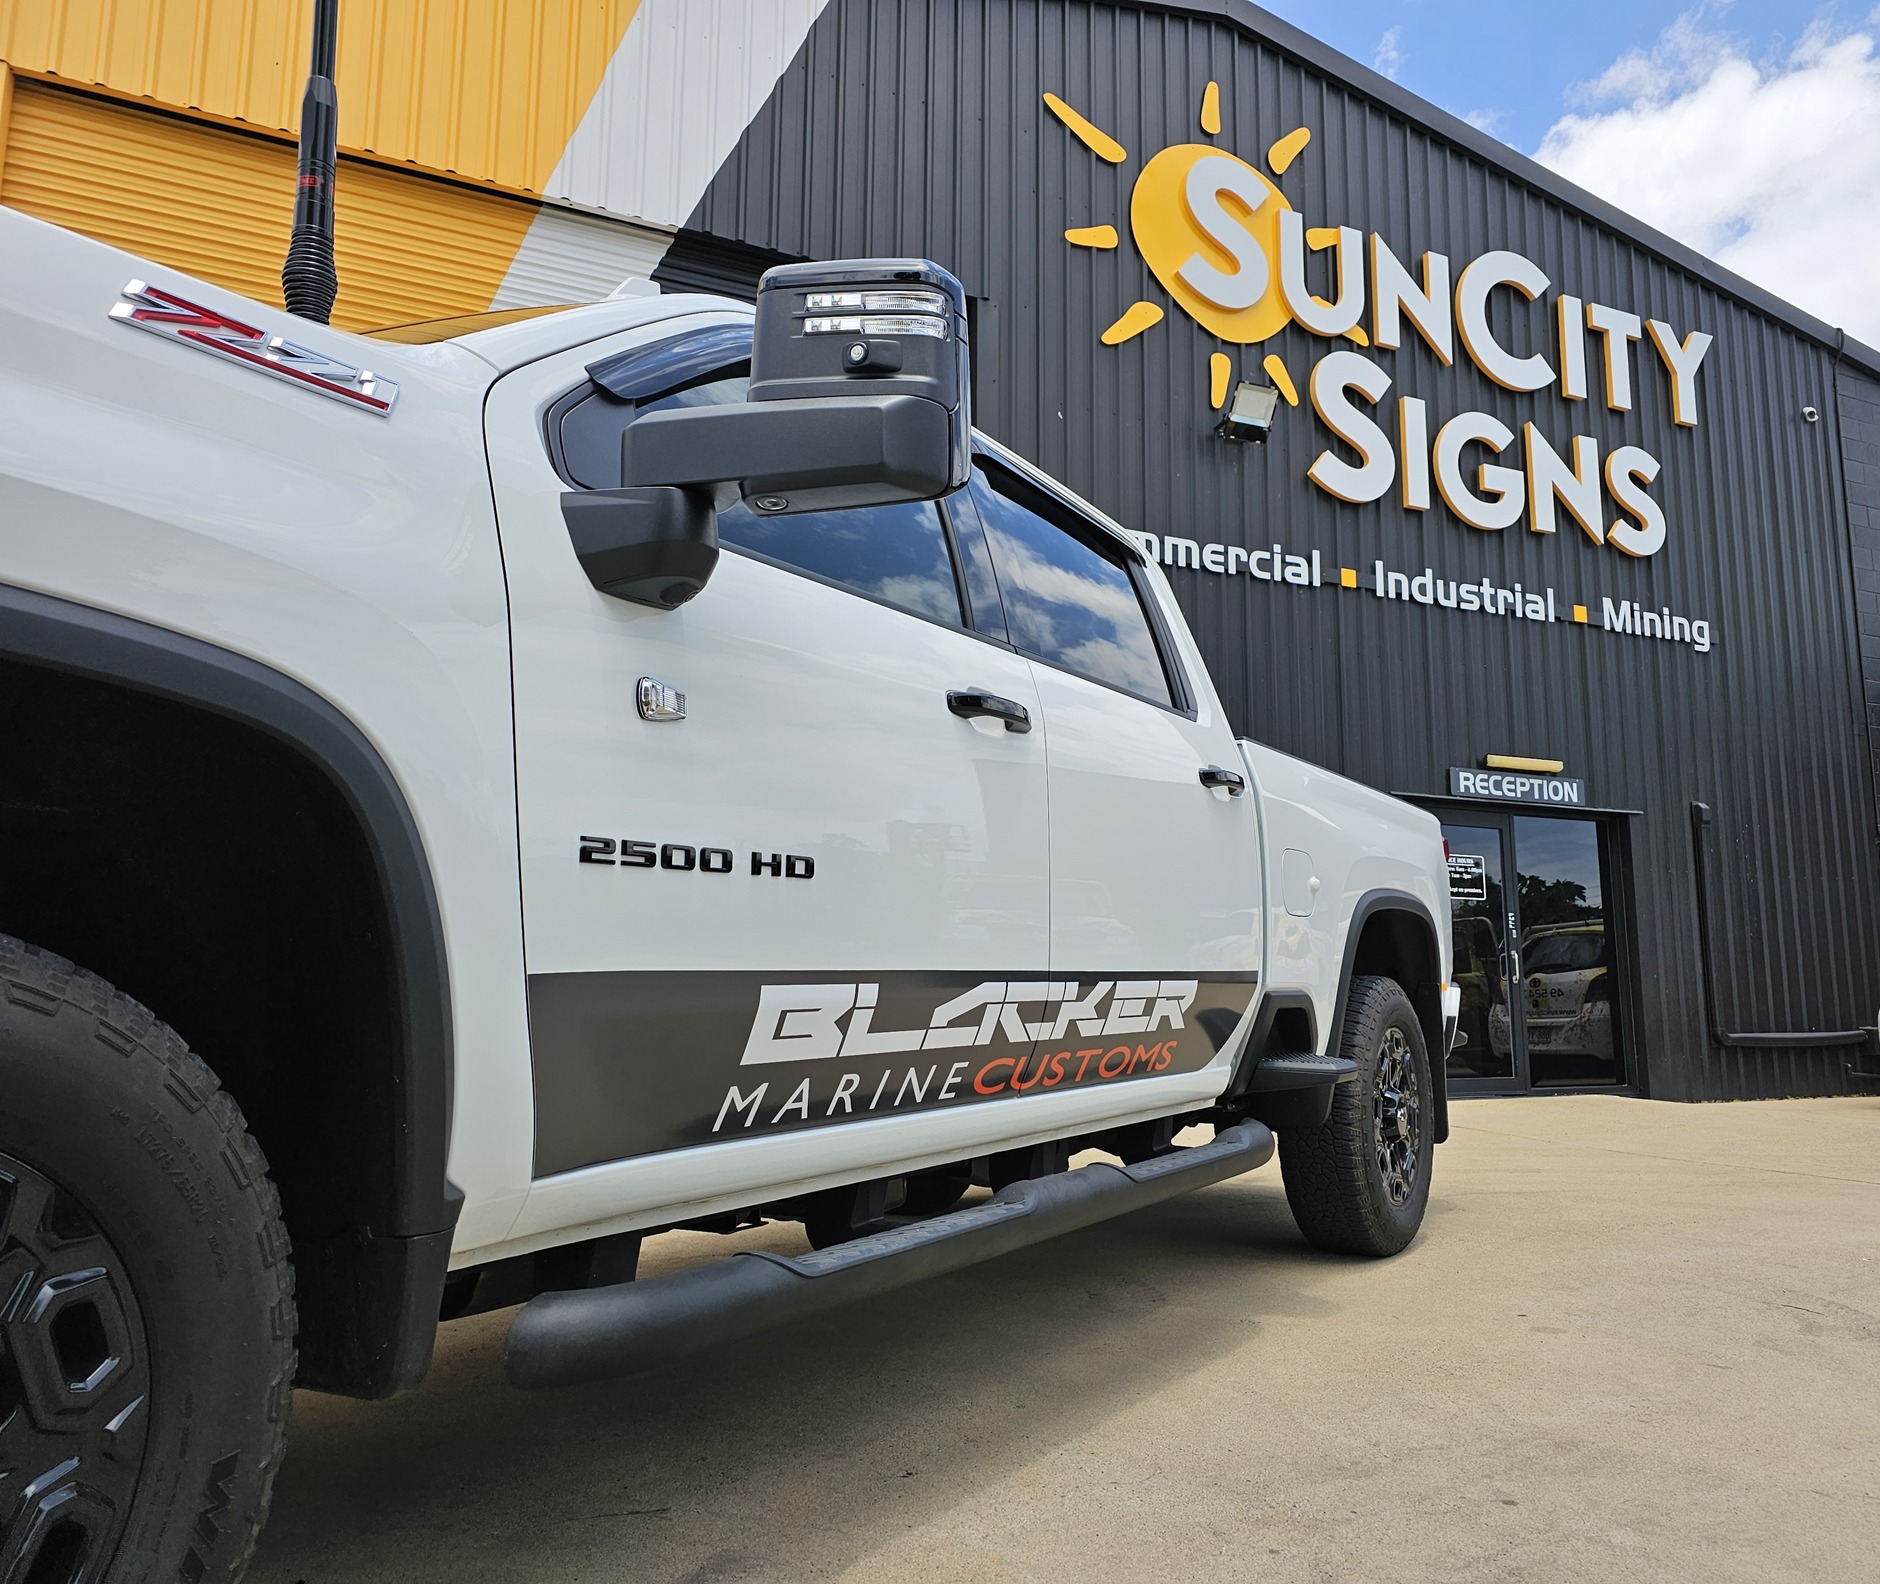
column 629, row 1064
column 176, row 319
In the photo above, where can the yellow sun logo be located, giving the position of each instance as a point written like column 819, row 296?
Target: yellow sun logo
column 1209, row 227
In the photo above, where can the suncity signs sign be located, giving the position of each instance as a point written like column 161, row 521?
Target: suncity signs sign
column 1234, row 255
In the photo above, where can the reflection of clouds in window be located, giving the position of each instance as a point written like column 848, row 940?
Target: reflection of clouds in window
column 924, row 594
column 893, row 553
column 1066, row 603
column 1559, row 849
column 1139, row 672
column 1111, row 600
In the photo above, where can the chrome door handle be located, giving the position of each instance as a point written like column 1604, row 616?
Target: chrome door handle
column 969, row 702
column 1214, row 776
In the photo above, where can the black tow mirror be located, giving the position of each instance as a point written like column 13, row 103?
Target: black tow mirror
column 653, row 546
column 866, row 328
column 822, row 454
column 858, row 396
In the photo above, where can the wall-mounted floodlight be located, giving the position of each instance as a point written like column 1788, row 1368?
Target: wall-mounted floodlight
column 1249, row 414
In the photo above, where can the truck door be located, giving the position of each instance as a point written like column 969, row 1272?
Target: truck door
column 1155, row 876
column 783, row 849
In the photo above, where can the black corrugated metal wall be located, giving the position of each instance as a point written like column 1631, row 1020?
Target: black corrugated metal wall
column 918, row 127
column 1859, row 399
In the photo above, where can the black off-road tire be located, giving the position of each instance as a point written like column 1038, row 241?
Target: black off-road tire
column 1359, row 1182
column 146, row 1298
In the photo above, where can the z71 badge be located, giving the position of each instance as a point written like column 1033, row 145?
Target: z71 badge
column 163, row 313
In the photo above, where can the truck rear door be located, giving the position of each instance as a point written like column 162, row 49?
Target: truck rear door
column 1155, row 875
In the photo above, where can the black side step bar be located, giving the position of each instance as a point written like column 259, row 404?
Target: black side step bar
column 1299, row 1070
column 565, row 1338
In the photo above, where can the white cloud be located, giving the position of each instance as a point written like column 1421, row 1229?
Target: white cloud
column 1772, row 168
column 1484, row 120
column 1389, row 56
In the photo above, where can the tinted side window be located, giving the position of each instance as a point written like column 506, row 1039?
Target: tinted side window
column 1067, row 600
column 893, row 553
column 982, row 585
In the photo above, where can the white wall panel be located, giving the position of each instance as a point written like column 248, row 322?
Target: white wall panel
column 571, row 257
column 678, row 94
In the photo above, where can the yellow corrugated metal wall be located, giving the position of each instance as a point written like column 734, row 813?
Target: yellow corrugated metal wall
column 217, row 204
column 488, row 90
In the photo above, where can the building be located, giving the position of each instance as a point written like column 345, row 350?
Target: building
column 1541, row 485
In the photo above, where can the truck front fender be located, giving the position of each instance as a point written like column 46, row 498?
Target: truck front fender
column 381, row 1273
column 1393, row 934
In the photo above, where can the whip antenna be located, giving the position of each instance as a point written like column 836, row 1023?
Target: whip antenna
column 309, row 282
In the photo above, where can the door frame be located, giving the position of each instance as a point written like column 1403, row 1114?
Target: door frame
column 1615, row 826
column 1497, row 819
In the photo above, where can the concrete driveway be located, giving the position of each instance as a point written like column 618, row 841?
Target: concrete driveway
column 1634, row 1341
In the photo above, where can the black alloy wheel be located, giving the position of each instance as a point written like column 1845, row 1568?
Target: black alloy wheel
column 74, row 1382
column 1396, row 1112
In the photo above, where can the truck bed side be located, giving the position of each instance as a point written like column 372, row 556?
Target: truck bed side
column 1336, row 854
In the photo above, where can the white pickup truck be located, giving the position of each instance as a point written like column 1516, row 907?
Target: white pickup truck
column 478, row 795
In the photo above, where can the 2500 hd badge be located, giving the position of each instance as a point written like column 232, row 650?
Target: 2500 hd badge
column 687, row 859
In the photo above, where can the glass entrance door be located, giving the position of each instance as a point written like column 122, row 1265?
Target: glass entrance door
column 1483, row 930
column 1567, row 975
column 1537, row 959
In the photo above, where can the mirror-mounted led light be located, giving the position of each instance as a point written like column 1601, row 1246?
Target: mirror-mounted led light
column 926, row 302
column 876, row 325
column 885, row 337
column 1250, row 414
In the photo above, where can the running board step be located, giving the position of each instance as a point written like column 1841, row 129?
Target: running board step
column 566, row 1338
column 1301, row 1071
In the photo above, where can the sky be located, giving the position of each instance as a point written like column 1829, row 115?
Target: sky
column 1749, row 129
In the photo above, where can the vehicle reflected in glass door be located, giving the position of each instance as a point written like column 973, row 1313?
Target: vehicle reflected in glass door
column 1568, row 962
